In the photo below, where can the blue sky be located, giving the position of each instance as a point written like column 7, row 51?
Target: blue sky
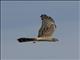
column 22, row 19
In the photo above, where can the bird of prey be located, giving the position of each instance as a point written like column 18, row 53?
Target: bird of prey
column 45, row 32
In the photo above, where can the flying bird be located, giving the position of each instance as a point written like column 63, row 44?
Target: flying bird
column 45, row 32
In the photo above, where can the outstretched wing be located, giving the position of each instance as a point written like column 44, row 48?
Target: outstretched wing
column 46, row 31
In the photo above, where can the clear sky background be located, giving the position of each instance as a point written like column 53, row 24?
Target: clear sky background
column 22, row 19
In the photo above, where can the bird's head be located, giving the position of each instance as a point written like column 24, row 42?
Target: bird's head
column 45, row 17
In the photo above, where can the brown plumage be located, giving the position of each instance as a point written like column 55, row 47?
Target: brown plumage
column 47, row 28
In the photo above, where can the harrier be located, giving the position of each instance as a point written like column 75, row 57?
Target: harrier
column 45, row 32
